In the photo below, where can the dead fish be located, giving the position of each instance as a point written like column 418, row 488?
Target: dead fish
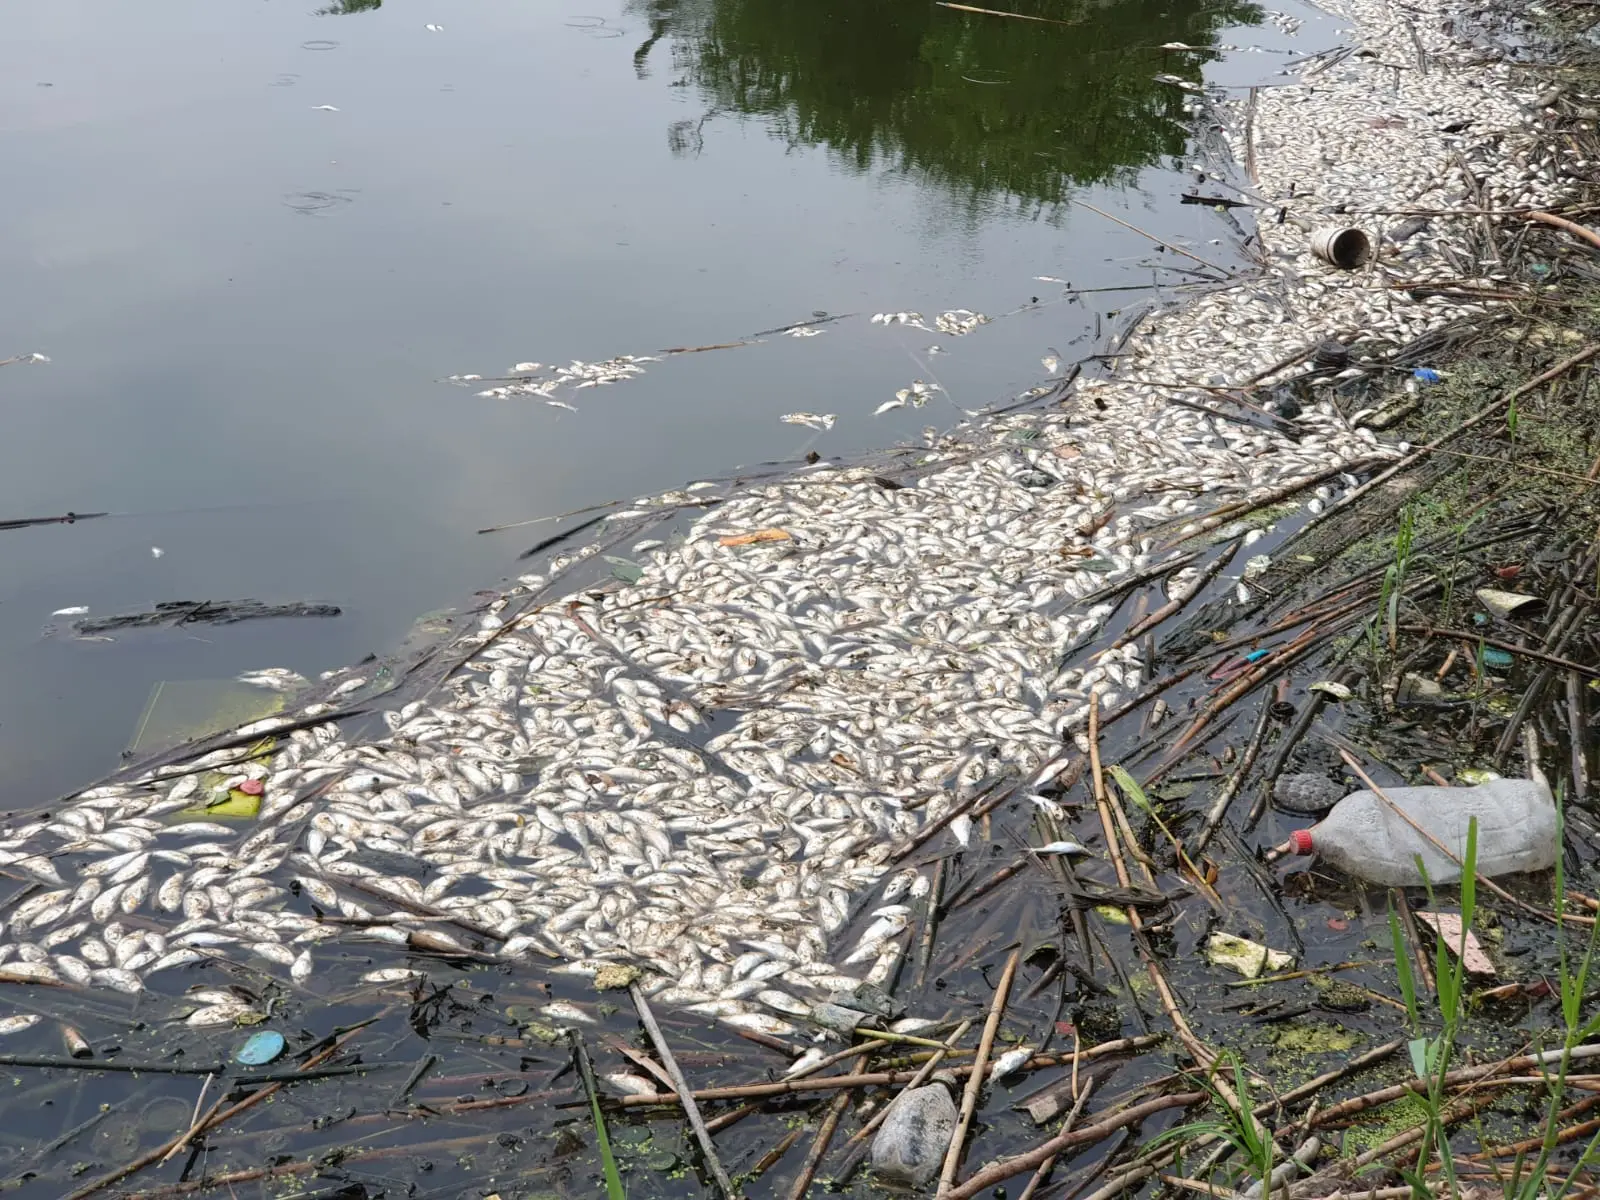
column 560, row 1010
column 212, row 1015
column 629, row 1085
column 1010, row 1061
column 810, row 420
column 391, row 975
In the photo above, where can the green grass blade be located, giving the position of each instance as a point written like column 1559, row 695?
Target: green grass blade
column 1402, row 967
column 608, row 1161
column 1129, row 786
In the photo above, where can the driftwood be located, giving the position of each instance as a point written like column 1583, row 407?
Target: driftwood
column 202, row 612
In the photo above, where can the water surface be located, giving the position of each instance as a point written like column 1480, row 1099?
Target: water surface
column 255, row 239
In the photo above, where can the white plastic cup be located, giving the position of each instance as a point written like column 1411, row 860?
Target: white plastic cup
column 1345, row 248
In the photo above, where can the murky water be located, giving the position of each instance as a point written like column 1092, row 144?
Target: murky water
column 255, row 239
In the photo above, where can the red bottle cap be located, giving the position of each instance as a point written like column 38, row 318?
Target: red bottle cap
column 1300, row 839
column 252, row 787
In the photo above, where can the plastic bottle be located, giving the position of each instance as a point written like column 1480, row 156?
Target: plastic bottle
column 1364, row 836
column 911, row 1145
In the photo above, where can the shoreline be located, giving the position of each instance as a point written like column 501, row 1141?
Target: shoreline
column 898, row 652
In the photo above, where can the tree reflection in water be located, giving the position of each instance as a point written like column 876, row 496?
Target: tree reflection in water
column 985, row 107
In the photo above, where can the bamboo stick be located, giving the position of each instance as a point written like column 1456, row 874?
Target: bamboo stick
column 969, row 1098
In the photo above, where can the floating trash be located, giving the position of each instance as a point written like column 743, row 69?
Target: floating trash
column 1504, row 604
column 260, row 1049
column 1250, row 959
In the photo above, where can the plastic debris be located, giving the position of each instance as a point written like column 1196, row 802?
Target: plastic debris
column 1427, row 375
column 260, row 1049
column 1503, row 604
column 1250, row 959
column 1364, row 835
column 77, row 1045
column 1447, row 927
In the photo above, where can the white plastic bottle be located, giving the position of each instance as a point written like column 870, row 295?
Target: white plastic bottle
column 1367, row 838
column 911, row 1145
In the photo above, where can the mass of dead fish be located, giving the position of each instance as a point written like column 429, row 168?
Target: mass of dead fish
column 703, row 771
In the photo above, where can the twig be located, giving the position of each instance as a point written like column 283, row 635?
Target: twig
column 1204, row 1186
column 1128, row 582
column 1463, row 1075
column 424, row 1065
column 969, row 1097
column 1158, row 241
column 1048, row 1165
column 1169, row 1003
column 1349, row 1166
column 828, row 1083
column 987, row 886
column 1156, row 1159
column 1424, row 971
column 1570, row 476
column 1575, row 726
column 1102, row 801
column 1554, row 660
column 1305, row 973
column 62, row 1062
column 1483, row 414
column 557, row 517
column 304, row 1166
column 1571, row 612
column 930, row 924
column 690, row 1108
column 1231, row 788
column 732, row 1117
column 68, row 519
column 211, row 1120
column 1250, row 139
column 927, row 832
column 1277, row 495
column 1207, row 574
column 1286, row 744
column 1027, row 1161
column 1312, row 1086
column 995, row 12
column 771, row 1157
column 194, row 1119
column 1572, row 227
column 1264, row 669
column 819, row 1145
